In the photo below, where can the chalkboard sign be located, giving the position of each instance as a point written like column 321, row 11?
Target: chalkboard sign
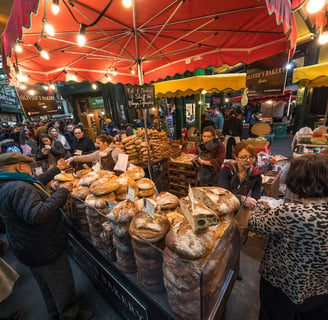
column 140, row 97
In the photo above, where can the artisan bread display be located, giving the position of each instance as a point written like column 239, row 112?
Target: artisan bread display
column 121, row 217
column 186, row 257
column 148, row 236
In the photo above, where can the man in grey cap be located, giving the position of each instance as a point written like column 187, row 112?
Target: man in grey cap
column 36, row 233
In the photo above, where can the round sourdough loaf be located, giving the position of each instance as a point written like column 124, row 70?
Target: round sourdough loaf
column 144, row 227
column 80, row 192
column 104, row 185
column 123, row 212
column 182, row 240
column 167, row 201
column 100, row 201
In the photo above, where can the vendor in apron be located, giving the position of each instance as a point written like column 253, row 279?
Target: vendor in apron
column 209, row 157
column 107, row 154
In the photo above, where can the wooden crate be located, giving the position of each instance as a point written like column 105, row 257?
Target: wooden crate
column 271, row 187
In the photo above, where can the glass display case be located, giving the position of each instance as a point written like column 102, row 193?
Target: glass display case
column 163, row 285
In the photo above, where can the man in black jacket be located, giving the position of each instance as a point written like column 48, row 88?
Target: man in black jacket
column 36, row 233
column 81, row 144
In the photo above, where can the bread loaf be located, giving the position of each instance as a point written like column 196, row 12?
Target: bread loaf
column 218, row 199
column 201, row 217
column 80, row 192
column 167, row 201
column 123, row 212
column 64, row 177
column 104, row 185
column 99, row 202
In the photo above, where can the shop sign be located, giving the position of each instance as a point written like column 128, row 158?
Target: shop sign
column 267, row 76
column 8, row 100
column 140, row 97
column 96, row 102
column 40, row 102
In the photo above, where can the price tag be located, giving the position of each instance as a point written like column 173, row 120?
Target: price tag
column 130, row 194
column 191, row 198
column 38, row 170
column 96, row 167
column 110, row 205
column 122, row 162
column 149, row 208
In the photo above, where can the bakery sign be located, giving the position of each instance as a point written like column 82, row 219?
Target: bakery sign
column 140, row 97
column 267, row 76
column 39, row 101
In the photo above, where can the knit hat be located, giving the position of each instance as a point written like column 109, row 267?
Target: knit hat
column 12, row 158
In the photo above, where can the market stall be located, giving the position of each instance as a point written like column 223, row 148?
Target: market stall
column 139, row 45
column 139, row 248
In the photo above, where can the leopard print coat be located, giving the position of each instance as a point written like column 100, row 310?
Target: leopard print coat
column 296, row 255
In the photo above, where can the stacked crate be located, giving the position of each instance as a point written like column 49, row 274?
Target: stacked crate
column 181, row 175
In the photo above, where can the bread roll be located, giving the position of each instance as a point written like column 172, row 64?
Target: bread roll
column 100, row 201
column 64, row 177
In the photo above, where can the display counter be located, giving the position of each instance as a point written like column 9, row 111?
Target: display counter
column 193, row 289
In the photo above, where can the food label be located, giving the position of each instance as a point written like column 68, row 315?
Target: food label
column 122, row 162
column 110, row 205
column 130, row 194
column 96, row 167
column 38, row 170
column 149, row 208
column 191, row 198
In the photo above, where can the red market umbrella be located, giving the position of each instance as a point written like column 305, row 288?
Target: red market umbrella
column 156, row 38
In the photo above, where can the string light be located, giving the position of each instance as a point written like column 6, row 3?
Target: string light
column 74, row 77
column 52, row 86
column 108, row 77
column 94, row 86
column 132, row 71
column 81, row 40
column 203, row 91
column 44, row 54
column 127, row 3
column 114, row 72
column 18, row 48
column 323, row 37
column 55, row 7
column 314, row 6
column 49, row 28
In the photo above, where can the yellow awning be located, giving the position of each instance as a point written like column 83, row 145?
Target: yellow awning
column 312, row 76
column 194, row 85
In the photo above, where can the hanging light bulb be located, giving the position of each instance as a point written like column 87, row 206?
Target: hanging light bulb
column 81, row 36
column 108, row 77
column 94, row 86
column 74, row 77
column 55, row 6
column 18, row 48
column 323, row 37
column 22, row 86
column 49, row 28
column 44, row 54
column 314, row 6
column 203, row 91
column 31, row 92
column 132, row 71
column 114, row 72
column 127, row 3
column 52, row 86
